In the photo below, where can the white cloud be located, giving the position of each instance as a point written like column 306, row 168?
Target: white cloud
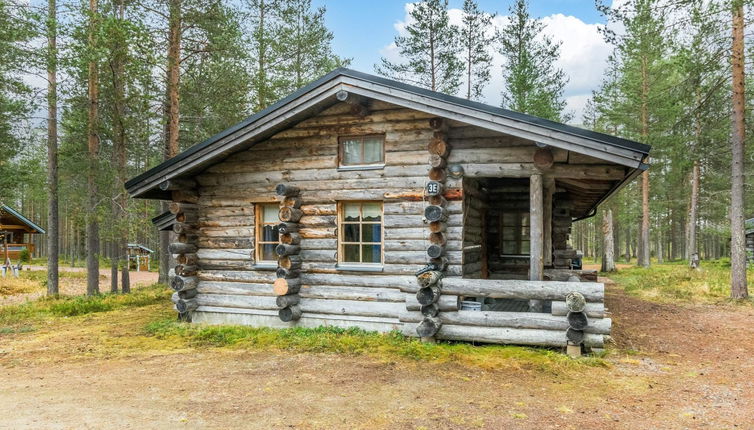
column 583, row 55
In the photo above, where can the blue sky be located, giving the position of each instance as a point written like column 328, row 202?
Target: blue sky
column 364, row 30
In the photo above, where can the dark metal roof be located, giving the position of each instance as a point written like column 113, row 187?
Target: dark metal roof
column 23, row 219
column 164, row 221
column 597, row 138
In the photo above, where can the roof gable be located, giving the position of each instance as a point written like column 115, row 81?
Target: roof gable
column 321, row 94
column 7, row 211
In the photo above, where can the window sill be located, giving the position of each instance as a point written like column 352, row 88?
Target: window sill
column 265, row 266
column 359, row 267
column 361, row 167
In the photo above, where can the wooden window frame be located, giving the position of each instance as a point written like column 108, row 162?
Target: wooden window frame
column 362, row 138
column 519, row 239
column 259, row 229
column 341, row 234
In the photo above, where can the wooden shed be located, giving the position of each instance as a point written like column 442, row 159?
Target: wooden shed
column 15, row 230
column 360, row 201
column 139, row 257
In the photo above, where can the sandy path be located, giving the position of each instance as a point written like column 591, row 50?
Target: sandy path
column 691, row 369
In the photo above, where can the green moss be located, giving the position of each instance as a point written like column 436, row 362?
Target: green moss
column 353, row 341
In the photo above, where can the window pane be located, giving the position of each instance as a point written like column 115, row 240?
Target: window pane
column 509, row 248
column 371, row 233
column 525, row 218
column 509, row 219
column 270, row 233
column 351, row 152
column 351, row 253
column 268, row 252
column 525, row 247
column 351, row 211
column 350, row 232
column 270, row 214
column 372, row 211
column 372, row 150
column 371, row 253
column 509, row 233
column 525, row 232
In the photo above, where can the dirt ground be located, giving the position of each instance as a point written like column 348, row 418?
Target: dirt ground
column 673, row 367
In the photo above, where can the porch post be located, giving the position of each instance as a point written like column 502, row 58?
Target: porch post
column 549, row 189
column 536, row 244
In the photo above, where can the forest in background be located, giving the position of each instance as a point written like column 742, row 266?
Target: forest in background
column 118, row 86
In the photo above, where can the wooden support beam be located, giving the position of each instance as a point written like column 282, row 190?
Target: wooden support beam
column 549, row 189
column 177, row 184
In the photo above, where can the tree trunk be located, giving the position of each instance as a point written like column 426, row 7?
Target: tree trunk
column 172, row 112
column 52, row 150
column 644, row 116
column 738, row 288
column 608, row 254
column 92, row 224
column 691, row 245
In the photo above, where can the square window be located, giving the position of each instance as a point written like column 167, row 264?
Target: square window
column 362, row 150
column 360, row 232
column 266, row 229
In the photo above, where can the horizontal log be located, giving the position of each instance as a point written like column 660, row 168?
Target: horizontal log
column 288, row 227
column 286, row 190
column 592, row 310
column 290, row 239
column 177, row 184
column 185, row 196
column 290, row 313
column 515, row 289
column 186, row 270
column 189, row 259
column 182, row 248
column 283, row 286
column 287, row 274
column 428, row 326
column 289, row 300
column 182, row 283
column 307, row 305
column 444, row 303
column 237, row 276
column 290, row 262
column 294, row 202
column 282, row 250
column 502, row 335
column 522, row 320
column 577, row 320
column 225, row 254
column 177, row 207
column 372, row 280
column 289, row 214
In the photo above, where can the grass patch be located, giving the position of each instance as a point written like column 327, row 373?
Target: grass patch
column 353, row 341
column 65, row 306
column 674, row 282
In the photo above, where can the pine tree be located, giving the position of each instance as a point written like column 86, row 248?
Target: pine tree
column 429, row 51
column 476, row 40
column 532, row 83
column 15, row 95
column 306, row 42
column 739, row 289
column 93, row 146
column 53, row 236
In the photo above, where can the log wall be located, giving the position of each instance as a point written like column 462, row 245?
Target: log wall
column 233, row 288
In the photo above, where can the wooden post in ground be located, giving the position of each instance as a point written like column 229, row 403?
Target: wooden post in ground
column 536, row 244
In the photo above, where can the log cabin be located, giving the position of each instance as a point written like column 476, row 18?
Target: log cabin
column 359, row 201
column 15, row 232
